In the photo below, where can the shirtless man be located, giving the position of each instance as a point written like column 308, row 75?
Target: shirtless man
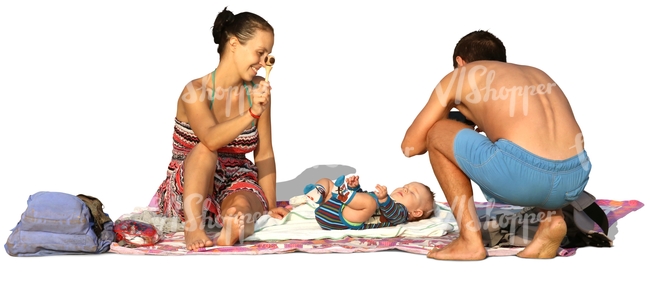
column 531, row 153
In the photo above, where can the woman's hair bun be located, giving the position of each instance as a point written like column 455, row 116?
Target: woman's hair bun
column 224, row 18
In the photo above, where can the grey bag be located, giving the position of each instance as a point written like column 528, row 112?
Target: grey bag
column 508, row 229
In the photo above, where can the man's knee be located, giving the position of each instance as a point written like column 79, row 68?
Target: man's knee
column 431, row 134
column 435, row 132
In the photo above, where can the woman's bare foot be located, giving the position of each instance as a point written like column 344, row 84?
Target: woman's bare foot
column 195, row 236
column 460, row 249
column 233, row 228
column 547, row 239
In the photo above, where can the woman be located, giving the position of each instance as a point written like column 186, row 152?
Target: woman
column 220, row 118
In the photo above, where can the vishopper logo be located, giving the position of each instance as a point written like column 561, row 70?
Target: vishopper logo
column 193, row 225
column 579, row 146
column 192, row 95
column 488, row 93
column 502, row 221
column 407, row 151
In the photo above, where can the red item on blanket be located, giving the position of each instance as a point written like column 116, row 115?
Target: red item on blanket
column 136, row 233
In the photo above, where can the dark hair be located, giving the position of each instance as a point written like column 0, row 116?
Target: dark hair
column 242, row 26
column 479, row 45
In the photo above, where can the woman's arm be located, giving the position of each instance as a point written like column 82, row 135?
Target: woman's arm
column 212, row 134
column 265, row 157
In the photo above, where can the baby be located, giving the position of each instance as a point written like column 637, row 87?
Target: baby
column 346, row 206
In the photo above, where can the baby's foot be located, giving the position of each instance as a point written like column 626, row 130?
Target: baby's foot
column 315, row 192
column 345, row 194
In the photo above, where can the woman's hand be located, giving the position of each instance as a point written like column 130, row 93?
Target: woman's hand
column 280, row 212
column 260, row 97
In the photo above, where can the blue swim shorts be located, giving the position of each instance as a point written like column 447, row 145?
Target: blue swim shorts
column 509, row 174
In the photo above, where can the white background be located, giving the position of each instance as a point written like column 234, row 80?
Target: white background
column 89, row 93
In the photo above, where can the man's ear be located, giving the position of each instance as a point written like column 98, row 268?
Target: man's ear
column 460, row 61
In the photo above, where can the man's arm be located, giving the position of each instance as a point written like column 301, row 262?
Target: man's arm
column 437, row 108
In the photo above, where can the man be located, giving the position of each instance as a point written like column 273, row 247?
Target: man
column 531, row 153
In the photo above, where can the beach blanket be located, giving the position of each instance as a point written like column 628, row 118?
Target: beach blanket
column 406, row 239
column 300, row 224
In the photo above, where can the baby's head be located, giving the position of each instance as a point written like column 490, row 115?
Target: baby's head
column 417, row 198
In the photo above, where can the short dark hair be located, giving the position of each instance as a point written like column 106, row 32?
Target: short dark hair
column 479, row 45
column 242, row 26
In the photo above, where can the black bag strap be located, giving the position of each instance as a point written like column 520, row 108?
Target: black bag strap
column 598, row 216
column 587, row 202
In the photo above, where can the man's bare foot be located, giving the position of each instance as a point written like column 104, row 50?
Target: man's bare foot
column 460, row 249
column 195, row 237
column 233, row 228
column 547, row 239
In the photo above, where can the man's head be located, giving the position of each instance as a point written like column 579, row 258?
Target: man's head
column 417, row 198
column 477, row 46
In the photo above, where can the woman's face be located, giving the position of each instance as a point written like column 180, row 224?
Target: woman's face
column 249, row 57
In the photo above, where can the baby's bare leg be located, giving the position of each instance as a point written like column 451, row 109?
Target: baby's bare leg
column 320, row 191
column 360, row 208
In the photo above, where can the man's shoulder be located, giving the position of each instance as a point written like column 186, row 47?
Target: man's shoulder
column 498, row 65
column 489, row 64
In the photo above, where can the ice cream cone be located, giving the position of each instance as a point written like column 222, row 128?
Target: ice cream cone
column 270, row 60
column 268, row 71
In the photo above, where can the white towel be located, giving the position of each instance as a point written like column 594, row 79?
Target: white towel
column 300, row 224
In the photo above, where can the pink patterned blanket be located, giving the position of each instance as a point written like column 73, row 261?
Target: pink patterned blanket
column 173, row 244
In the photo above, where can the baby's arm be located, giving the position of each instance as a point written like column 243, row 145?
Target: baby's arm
column 394, row 212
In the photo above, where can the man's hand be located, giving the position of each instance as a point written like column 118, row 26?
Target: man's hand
column 279, row 212
column 381, row 192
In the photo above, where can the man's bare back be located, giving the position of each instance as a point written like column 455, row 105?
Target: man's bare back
column 519, row 103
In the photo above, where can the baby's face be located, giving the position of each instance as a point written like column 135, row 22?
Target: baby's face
column 413, row 196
